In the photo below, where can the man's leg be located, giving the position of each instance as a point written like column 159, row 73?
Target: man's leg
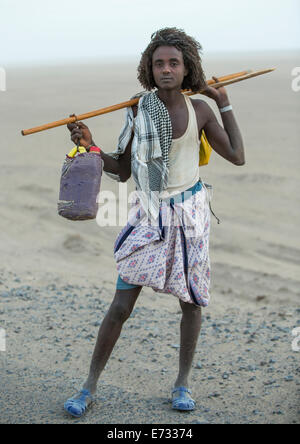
column 189, row 333
column 109, row 332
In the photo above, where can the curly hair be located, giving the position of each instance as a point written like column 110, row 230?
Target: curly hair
column 190, row 48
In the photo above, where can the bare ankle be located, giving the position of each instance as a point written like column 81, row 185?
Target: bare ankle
column 90, row 386
column 183, row 382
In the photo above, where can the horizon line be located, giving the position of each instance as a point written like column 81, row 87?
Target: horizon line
column 122, row 57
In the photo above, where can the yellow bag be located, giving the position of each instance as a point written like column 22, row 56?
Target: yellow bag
column 205, row 150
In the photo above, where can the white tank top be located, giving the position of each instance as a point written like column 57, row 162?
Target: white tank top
column 184, row 157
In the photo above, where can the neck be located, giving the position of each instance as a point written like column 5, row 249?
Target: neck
column 170, row 98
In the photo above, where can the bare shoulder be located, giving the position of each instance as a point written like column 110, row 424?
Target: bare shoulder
column 204, row 113
column 201, row 107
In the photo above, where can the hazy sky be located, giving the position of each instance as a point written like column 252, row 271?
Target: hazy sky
column 32, row 30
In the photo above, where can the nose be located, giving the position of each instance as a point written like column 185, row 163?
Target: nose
column 166, row 69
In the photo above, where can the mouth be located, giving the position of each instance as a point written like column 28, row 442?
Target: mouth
column 166, row 79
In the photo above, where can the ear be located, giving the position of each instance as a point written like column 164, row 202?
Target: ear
column 186, row 71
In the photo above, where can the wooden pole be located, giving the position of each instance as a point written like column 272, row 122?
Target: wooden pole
column 239, row 79
column 110, row 109
column 223, row 81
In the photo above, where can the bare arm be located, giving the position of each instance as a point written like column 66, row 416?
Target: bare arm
column 122, row 166
column 227, row 141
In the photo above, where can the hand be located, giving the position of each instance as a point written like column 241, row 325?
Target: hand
column 80, row 133
column 219, row 95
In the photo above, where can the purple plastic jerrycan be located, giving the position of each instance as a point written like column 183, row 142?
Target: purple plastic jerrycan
column 79, row 186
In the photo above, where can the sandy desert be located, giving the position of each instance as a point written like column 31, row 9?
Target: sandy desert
column 57, row 277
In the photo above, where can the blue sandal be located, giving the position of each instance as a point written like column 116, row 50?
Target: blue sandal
column 77, row 406
column 182, row 402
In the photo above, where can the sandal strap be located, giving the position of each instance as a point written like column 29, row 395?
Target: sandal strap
column 78, row 403
column 87, row 393
column 181, row 389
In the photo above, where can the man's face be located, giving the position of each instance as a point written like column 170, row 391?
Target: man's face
column 168, row 68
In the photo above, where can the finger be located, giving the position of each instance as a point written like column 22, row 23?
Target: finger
column 76, row 134
column 215, row 79
column 81, row 125
column 76, row 129
column 76, row 140
column 71, row 126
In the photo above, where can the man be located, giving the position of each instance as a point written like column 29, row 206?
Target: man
column 166, row 166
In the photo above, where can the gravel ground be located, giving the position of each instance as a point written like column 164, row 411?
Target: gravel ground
column 244, row 371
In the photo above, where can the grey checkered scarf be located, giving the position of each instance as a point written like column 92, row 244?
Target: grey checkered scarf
column 150, row 149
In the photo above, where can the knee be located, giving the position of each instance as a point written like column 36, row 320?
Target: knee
column 120, row 312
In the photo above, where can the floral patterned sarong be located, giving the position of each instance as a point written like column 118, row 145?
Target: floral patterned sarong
column 171, row 256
